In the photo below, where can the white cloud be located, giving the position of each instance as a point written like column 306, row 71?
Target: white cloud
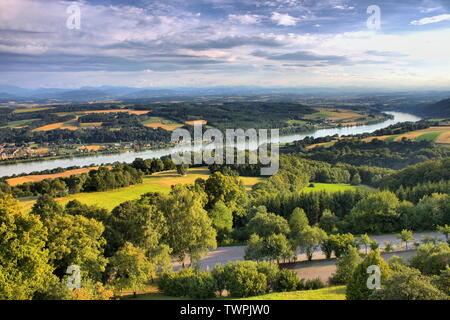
column 283, row 19
column 435, row 19
column 344, row 7
column 245, row 18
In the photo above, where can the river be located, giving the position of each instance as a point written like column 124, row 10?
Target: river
column 28, row 167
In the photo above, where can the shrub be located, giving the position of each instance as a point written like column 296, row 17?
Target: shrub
column 346, row 265
column 408, row 284
column 287, row 280
column 312, row 284
column 188, row 283
column 431, row 259
column 270, row 270
column 357, row 286
column 242, row 279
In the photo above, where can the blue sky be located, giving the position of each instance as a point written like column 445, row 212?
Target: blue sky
column 198, row 43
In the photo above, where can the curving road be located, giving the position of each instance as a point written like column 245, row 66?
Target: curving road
column 222, row 255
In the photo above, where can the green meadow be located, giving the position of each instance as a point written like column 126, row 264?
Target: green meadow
column 332, row 293
column 160, row 182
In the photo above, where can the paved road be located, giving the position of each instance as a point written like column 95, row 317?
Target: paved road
column 326, row 268
column 223, row 255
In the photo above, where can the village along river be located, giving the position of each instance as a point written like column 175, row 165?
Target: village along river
column 28, row 167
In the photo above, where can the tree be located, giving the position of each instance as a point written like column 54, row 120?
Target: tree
column 75, row 207
column 227, row 189
column 189, row 229
column 277, row 247
column 76, row 240
column 24, row 268
column 365, row 241
column 346, row 265
column 136, row 222
column 298, row 221
column 266, row 224
column 131, row 269
column 405, row 236
column 356, row 180
column 338, row 243
column 181, row 169
column 310, row 239
column 357, row 288
column 433, row 211
column 375, row 214
column 431, row 259
column 445, row 230
column 255, row 249
column 408, row 284
column 274, row 247
column 46, row 207
column 222, row 219
column 443, row 281
column 328, row 222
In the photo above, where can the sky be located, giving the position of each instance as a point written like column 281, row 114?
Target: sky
column 203, row 43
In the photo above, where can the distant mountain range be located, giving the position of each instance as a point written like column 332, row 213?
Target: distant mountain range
column 418, row 102
column 83, row 94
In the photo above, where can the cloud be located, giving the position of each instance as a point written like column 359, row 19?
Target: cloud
column 236, row 41
column 303, row 56
column 386, row 53
column 245, row 18
column 283, row 19
column 434, row 19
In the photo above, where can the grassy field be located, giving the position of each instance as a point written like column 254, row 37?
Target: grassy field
column 330, row 187
column 433, row 134
column 160, row 182
column 332, row 293
column 158, row 122
column 335, row 115
column 429, row 136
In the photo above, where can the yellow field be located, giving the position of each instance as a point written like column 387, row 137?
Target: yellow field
column 436, row 134
column 335, row 115
column 31, row 109
column 91, row 124
column 90, row 148
column 197, row 122
column 36, row 178
column 444, row 138
column 159, row 182
column 168, row 127
column 54, row 126
column 136, row 112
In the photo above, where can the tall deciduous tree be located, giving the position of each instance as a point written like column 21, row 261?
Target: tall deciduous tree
column 310, row 239
column 298, row 222
column 131, row 268
column 189, row 229
column 266, row 224
column 24, row 268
